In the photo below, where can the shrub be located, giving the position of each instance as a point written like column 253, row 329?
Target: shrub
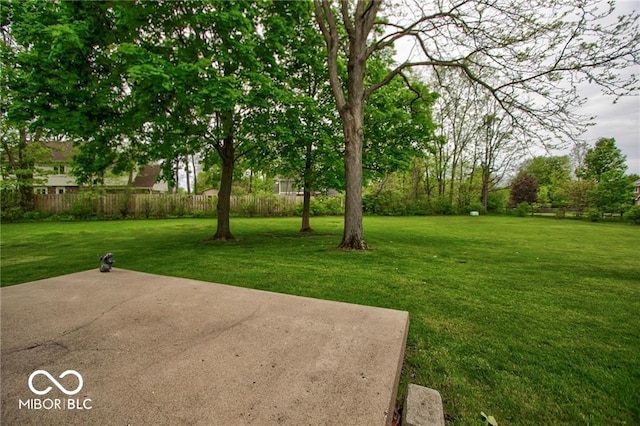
column 249, row 207
column 11, row 214
column 125, row 204
column 633, row 214
column 35, row 215
column 441, row 207
column 386, row 203
column 522, row 209
column 147, row 208
column 323, row 205
column 497, row 201
column 471, row 207
column 592, row 214
column 83, row 206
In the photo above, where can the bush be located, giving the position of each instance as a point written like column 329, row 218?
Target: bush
column 475, row 206
column 386, row 203
column 522, row 209
column 35, row 215
column 178, row 206
column 323, row 205
column 592, row 214
column 249, row 207
column 441, row 207
column 147, row 208
column 125, row 206
column 497, row 201
column 633, row 214
column 11, row 214
column 10, row 209
column 83, row 206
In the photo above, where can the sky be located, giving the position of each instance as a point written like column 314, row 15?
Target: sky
column 619, row 120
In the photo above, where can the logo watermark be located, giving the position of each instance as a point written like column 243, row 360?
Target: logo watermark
column 55, row 403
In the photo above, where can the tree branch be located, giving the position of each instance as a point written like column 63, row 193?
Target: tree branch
column 327, row 23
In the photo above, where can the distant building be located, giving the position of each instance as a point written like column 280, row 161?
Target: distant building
column 211, row 192
column 286, row 186
column 54, row 176
column 637, row 198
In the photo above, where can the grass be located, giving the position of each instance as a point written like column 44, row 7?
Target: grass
column 531, row 320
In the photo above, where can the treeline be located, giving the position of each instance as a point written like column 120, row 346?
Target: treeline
column 292, row 89
column 591, row 182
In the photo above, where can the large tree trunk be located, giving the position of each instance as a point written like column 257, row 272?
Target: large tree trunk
column 353, row 235
column 306, row 207
column 350, row 107
column 227, row 154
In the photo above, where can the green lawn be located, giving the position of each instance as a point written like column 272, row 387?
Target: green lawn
column 531, row 320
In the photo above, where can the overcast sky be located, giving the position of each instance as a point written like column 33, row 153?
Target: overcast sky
column 620, row 121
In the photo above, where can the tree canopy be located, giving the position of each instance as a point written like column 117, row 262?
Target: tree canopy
column 135, row 82
column 518, row 53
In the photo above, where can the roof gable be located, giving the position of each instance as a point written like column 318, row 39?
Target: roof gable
column 147, row 176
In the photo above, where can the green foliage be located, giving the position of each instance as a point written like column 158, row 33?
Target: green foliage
column 522, row 209
column 604, row 158
column 613, row 193
column 12, row 213
column 497, row 201
column 592, row 214
column 577, row 194
column 385, row 203
column 84, row 206
column 633, row 214
column 548, row 171
column 475, row 206
column 126, row 204
column 323, row 205
column 398, row 125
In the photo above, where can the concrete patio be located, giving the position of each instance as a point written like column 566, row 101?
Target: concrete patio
column 147, row 349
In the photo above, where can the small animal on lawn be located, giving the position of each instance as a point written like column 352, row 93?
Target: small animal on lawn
column 107, row 262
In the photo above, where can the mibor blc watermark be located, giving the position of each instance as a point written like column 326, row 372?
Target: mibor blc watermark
column 55, row 403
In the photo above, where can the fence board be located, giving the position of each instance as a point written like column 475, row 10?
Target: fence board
column 161, row 205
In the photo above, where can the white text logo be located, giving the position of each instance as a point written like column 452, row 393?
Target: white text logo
column 55, row 382
column 55, row 403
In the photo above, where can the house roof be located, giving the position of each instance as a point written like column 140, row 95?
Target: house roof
column 147, row 176
column 61, row 152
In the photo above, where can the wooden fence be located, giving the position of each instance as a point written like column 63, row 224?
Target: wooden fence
column 162, row 205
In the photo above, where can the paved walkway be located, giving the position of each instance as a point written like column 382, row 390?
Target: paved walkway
column 146, row 349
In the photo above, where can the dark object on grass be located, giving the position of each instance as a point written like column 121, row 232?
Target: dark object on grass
column 107, row 261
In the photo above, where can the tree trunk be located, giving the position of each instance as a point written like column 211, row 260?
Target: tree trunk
column 24, row 174
column 195, row 174
column 227, row 154
column 350, row 107
column 484, row 193
column 306, row 207
column 306, row 201
column 186, row 169
column 353, row 235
